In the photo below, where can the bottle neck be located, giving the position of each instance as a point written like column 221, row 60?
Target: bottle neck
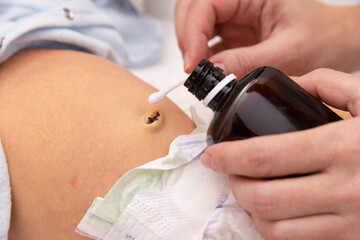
column 210, row 84
column 218, row 95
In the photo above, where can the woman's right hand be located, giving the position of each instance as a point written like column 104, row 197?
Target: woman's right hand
column 321, row 199
column 295, row 36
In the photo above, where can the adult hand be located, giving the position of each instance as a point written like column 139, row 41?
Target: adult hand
column 295, row 36
column 322, row 198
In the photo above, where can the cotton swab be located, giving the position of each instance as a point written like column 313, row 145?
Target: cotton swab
column 160, row 95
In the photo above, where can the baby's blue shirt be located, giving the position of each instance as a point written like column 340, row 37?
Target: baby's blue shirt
column 113, row 29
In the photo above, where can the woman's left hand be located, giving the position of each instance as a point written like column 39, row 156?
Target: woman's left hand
column 321, row 199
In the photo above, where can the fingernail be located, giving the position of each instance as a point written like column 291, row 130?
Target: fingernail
column 207, row 161
column 186, row 61
column 221, row 65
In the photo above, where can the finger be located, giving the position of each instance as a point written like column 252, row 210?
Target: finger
column 317, row 227
column 181, row 11
column 286, row 197
column 337, row 89
column 278, row 155
column 238, row 35
column 270, row 52
column 202, row 18
column 199, row 25
column 218, row 47
column 234, row 37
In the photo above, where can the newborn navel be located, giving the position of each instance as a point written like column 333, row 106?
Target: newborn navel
column 153, row 118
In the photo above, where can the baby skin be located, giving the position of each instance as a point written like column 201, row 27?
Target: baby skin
column 71, row 125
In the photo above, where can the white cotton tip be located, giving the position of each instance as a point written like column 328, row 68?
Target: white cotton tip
column 160, row 95
column 156, row 97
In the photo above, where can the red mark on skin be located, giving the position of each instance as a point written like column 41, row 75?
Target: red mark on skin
column 73, row 180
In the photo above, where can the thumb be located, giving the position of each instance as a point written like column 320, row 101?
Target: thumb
column 275, row 51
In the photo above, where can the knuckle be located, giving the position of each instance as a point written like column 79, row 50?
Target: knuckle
column 345, row 149
column 320, row 72
column 262, row 203
column 237, row 62
column 245, row 61
column 276, row 232
column 222, row 163
column 259, row 162
column 224, row 157
column 350, row 193
column 354, row 104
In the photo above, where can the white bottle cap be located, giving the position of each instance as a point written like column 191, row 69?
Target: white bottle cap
column 218, row 88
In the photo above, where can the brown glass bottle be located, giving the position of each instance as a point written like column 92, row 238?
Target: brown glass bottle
column 264, row 102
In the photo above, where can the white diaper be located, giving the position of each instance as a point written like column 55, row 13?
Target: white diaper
column 173, row 197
